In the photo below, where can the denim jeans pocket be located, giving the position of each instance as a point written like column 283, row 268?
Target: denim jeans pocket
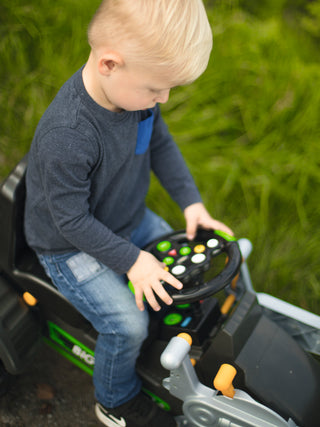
column 84, row 267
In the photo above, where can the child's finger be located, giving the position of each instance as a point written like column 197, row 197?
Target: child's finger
column 151, row 299
column 191, row 228
column 213, row 224
column 139, row 299
column 162, row 293
column 169, row 278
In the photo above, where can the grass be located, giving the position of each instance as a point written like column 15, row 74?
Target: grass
column 248, row 128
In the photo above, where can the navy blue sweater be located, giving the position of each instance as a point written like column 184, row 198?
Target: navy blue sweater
column 88, row 175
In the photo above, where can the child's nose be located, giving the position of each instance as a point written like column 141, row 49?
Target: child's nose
column 163, row 97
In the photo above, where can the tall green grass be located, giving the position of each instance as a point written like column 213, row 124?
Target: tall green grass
column 248, row 128
column 41, row 44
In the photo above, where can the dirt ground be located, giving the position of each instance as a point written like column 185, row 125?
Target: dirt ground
column 53, row 392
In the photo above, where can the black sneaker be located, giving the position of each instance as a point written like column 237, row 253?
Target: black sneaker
column 139, row 411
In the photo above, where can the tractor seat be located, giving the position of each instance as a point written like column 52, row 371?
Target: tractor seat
column 19, row 262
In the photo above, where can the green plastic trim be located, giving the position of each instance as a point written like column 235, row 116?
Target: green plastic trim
column 225, row 236
column 52, row 332
column 131, row 287
column 160, row 402
column 70, row 347
column 69, row 356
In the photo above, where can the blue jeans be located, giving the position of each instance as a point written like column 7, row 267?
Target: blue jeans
column 104, row 298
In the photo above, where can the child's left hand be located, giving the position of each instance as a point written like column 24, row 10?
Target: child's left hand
column 196, row 215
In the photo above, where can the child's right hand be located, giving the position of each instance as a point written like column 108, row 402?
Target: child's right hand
column 145, row 276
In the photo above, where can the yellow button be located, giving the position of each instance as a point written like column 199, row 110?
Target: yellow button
column 199, row 249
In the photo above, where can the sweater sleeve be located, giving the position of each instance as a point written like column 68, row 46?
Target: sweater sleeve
column 66, row 162
column 169, row 166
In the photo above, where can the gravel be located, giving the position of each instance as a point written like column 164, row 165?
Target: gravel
column 53, row 392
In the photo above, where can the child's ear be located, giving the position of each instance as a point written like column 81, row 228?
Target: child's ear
column 109, row 62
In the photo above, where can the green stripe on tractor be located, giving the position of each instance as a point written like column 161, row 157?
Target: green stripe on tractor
column 69, row 356
column 70, row 347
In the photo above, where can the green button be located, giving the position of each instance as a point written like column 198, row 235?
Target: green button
column 185, row 250
column 164, row 246
column 183, row 306
column 173, row 319
column 168, row 260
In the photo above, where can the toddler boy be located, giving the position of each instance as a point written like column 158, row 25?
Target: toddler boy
column 88, row 175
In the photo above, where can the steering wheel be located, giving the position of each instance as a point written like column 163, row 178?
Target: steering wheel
column 189, row 261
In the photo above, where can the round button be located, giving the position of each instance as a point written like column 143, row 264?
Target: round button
column 212, row 243
column 178, row 269
column 173, row 318
column 199, row 249
column 168, row 260
column 198, row 258
column 164, row 246
column 185, row 250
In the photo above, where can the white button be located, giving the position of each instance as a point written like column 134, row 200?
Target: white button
column 178, row 269
column 212, row 243
column 198, row 258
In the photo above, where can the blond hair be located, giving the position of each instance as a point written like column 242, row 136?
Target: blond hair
column 172, row 34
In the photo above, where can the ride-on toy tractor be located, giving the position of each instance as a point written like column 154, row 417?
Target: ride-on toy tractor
column 221, row 355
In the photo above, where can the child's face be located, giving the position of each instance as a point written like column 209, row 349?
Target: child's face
column 134, row 88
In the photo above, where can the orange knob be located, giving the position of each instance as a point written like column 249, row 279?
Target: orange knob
column 223, row 380
column 228, row 304
column 29, row 299
column 186, row 337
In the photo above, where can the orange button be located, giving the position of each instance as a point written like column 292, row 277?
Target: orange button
column 29, row 299
column 199, row 249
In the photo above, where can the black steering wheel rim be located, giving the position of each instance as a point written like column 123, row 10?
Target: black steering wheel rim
column 227, row 245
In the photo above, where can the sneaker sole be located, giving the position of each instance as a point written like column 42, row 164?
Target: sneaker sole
column 108, row 419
